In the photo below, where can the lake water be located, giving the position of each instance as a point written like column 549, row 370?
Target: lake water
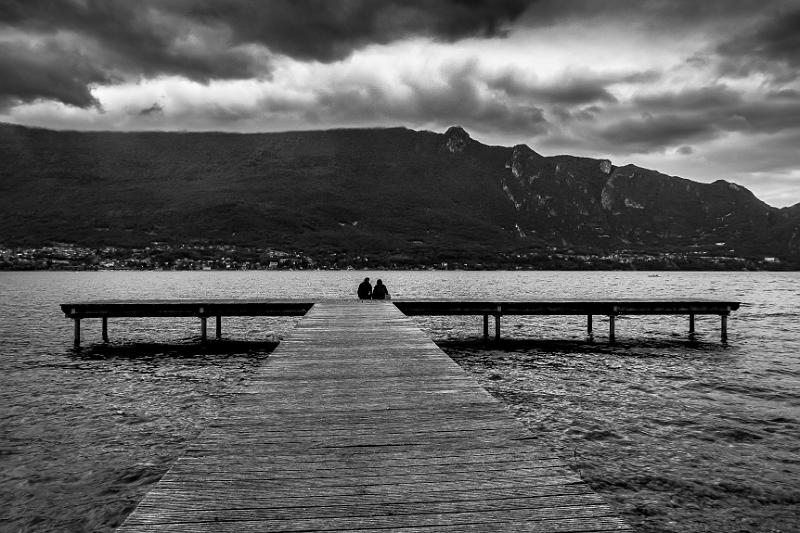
column 679, row 435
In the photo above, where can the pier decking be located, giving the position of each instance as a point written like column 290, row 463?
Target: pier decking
column 564, row 306
column 358, row 422
column 204, row 309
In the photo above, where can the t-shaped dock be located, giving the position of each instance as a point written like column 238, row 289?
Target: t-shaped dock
column 359, row 422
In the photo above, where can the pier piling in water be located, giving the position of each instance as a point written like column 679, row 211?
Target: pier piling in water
column 611, row 328
column 724, row 328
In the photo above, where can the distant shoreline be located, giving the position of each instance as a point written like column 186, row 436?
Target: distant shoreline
column 218, row 257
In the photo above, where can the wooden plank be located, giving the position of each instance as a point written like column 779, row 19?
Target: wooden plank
column 553, row 496
column 362, row 505
column 377, row 468
column 505, row 521
column 566, row 306
column 367, row 476
column 185, row 308
column 326, row 519
column 477, row 458
column 358, row 422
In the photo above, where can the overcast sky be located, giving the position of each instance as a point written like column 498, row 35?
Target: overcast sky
column 702, row 89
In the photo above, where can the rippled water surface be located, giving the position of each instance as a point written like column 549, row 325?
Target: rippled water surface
column 679, row 435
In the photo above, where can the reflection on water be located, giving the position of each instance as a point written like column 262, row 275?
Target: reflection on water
column 683, row 435
column 144, row 351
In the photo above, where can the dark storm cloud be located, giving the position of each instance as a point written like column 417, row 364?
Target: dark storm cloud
column 454, row 97
column 586, row 114
column 784, row 94
column 765, row 117
column 771, row 46
column 700, row 115
column 652, row 133
column 220, row 39
column 155, row 109
column 47, row 69
column 569, row 90
column 206, row 39
column 659, row 15
column 745, row 36
column 711, row 97
column 726, row 110
column 109, row 40
column 327, row 30
column 566, row 91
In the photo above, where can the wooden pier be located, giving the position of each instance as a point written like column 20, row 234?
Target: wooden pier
column 358, row 422
column 589, row 308
column 202, row 309
column 205, row 309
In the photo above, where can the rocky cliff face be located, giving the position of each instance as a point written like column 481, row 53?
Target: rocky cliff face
column 456, row 139
column 590, row 203
column 582, row 202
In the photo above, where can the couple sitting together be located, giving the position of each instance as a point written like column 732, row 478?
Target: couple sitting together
column 379, row 292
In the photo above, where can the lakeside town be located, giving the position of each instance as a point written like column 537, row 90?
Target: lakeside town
column 205, row 256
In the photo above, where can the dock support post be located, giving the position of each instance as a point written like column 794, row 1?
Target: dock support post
column 105, row 329
column 203, row 329
column 497, row 324
column 611, row 328
column 589, row 325
column 219, row 327
column 691, row 325
column 485, row 328
column 724, row 333
column 77, row 339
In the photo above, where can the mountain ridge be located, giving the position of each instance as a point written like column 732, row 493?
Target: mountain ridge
column 370, row 190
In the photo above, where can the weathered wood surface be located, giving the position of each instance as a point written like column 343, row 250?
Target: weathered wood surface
column 567, row 306
column 358, row 422
column 185, row 308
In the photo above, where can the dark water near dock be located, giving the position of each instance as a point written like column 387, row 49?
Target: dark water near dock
column 679, row 435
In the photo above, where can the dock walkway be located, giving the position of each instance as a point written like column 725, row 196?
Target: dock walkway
column 359, row 422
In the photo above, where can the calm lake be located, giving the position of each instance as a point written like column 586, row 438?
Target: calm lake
column 678, row 435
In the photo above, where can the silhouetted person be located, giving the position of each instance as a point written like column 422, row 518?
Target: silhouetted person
column 365, row 289
column 380, row 292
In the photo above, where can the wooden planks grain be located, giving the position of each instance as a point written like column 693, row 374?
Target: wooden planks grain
column 358, row 422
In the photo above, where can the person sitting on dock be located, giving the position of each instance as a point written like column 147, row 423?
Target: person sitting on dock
column 380, row 292
column 365, row 289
